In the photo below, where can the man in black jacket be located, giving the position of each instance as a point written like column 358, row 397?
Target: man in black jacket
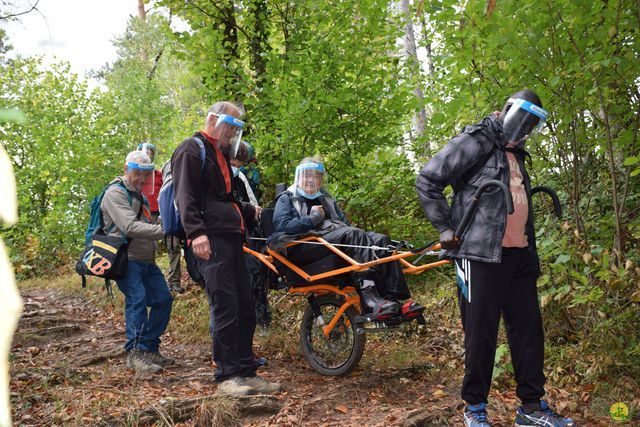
column 496, row 261
column 215, row 225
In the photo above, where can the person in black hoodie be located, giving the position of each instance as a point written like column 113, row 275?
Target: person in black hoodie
column 496, row 260
column 307, row 208
column 215, row 225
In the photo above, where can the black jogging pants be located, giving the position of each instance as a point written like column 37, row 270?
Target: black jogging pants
column 486, row 291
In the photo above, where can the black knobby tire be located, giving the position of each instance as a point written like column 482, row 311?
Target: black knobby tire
column 341, row 352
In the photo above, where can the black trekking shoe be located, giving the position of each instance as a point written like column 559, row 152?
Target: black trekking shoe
column 378, row 307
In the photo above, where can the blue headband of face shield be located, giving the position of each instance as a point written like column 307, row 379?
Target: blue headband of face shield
column 534, row 109
column 141, row 166
column 225, row 118
column 310, row 166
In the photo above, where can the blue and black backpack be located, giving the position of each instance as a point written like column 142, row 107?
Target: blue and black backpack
column 169, row 212
column 96, row 222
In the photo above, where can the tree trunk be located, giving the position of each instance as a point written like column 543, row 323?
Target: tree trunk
column 260, row 40
column 142, row 14
column 409, row 42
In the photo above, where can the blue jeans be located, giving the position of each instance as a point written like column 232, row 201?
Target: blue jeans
column 144, row 286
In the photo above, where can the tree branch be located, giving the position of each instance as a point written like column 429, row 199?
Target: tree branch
column 15, row 15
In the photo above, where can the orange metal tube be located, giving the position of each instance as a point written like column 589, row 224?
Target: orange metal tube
column 349, row 293
column 267, row 260
column 419, row 269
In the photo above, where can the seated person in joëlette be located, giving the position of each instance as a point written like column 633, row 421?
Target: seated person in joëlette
column 306, row 207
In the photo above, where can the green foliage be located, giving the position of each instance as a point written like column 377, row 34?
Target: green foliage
column 59, row 157
column 151, row 95
column 74, row 140
column 326, row 79
column 581, row 59
column 326, row 84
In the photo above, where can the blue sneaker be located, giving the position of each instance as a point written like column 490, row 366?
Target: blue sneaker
column 542, row 417
column 476, row 415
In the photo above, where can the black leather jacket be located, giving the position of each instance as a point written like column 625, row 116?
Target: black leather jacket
column 459, row 164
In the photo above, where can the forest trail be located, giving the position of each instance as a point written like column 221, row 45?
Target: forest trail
column 68, row 368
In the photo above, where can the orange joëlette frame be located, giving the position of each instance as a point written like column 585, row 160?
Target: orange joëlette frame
column 349, row 293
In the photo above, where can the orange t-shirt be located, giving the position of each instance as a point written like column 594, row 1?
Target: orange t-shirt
column 514, row 234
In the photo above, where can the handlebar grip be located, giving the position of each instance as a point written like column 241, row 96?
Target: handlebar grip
column 472, row 207
column 557, row 207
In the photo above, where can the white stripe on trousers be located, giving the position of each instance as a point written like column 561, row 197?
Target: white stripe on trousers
column 467, row 272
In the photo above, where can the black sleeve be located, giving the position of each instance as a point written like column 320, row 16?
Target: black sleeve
column 446, row 167
column 186, row 168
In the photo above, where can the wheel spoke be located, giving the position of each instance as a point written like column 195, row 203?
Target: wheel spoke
column 332, row 351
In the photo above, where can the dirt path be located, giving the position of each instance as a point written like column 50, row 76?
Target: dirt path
column 68, row 368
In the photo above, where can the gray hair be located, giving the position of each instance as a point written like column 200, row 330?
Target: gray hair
column 226, row 107
column 139, row 157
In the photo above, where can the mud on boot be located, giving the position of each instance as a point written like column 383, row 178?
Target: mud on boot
column 140, row 361
column 235, row 386
column 160, row 359
column 262, row 386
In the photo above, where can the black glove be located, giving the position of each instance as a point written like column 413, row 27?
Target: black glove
column 448, row 240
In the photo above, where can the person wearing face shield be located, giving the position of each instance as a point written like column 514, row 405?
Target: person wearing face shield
column 215, row 224
column 242, row 185
column 496, row 260
column 152, row 186
column 306, row 207
column 126, row 214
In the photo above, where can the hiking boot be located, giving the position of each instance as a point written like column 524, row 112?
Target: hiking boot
column 141, row 362
column 176, row 288
column 374, row 304
column 476, row 415
column 235, row 387
column 543, row 416
column 160, row 359
column 262, row 386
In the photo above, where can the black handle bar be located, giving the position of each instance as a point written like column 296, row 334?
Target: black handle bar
column 557, row 208
column 474, row 202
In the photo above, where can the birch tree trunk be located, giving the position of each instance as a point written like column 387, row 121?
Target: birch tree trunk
column 142, row 14
column 409, row 42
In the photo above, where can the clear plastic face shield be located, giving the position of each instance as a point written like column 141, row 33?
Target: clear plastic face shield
column 149, row 149
column 228, row 130
column 140, row 175
column 523, row 119
column 309, row 179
